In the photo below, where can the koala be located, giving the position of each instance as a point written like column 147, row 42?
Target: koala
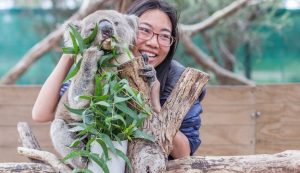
column 110, row 23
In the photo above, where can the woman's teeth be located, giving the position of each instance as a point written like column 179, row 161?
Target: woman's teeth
column 150, row 55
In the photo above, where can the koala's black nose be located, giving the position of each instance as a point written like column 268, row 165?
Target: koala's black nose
column 106, row 28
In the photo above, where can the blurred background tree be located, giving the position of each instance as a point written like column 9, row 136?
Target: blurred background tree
column 257, row 42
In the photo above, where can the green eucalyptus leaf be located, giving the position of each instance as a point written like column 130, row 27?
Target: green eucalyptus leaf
column 76, row 129
column 140, row 134
column 105, row 89
column 130, row 90
column 105, row 58
column 99, row 161
column 118, row 117
column 91, row 37
column 85, row 97
column 104, row 147
column 98, row 85
column 68, row 50
column 75, row 45
column 118, row 99
column 75, row 143
column 129, row 130
column 103, row 103
column 140, row 120
column 108, row 142
column 139, row 98
column 89, row 142
column 107, row 121
column 75, row 111
column 88, row 119
column 109, row 65
column 125, row 109
column 76, row 153
column 74, row 71
column 124, row 157
column 84, row 170
column 78, row 38
column 89, row 129
column 100, row 98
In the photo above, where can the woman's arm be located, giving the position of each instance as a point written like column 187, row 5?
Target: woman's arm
column 47, row 100
column 187, row 140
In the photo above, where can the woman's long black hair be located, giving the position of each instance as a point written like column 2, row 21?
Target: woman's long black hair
column 141, row 6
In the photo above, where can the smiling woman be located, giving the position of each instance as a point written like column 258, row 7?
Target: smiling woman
column 158, row 38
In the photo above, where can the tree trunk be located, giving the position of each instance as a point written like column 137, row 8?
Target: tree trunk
column 151, row 157
column 285, row 162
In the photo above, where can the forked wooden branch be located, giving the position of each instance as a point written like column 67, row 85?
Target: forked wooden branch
column 47, row 157
column 32, row 150
column 148, row 156
column 28, row 139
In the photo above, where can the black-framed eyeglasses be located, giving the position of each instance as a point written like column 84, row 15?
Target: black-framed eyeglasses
column 147, row 34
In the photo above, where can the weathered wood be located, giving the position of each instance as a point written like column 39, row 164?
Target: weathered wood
column 183, row 96
column 28, row 139
column 130, row 71
column 288, row 161
column 45, row 156
column 151, row 157
column 10, row 154
column 145, row 156
column 25, row 168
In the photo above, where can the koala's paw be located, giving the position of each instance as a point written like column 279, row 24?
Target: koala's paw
column 93, row 52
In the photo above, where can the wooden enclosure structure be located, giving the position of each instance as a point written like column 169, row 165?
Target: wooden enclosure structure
column 237, row 120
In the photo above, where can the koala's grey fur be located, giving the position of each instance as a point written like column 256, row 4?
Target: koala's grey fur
column 124, row 27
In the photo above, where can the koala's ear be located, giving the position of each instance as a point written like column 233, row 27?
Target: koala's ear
column 67, row 39
column 132, row 20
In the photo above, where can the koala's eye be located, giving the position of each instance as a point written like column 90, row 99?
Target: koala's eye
column 116, row 23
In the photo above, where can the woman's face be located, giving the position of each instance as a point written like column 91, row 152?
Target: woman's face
column 154, row 35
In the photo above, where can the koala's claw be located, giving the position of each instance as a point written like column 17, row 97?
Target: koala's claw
column 148, row 73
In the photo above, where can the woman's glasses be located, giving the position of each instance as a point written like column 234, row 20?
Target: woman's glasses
column 147, row 34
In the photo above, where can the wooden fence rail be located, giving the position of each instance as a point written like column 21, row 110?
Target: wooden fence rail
column 237, row 120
